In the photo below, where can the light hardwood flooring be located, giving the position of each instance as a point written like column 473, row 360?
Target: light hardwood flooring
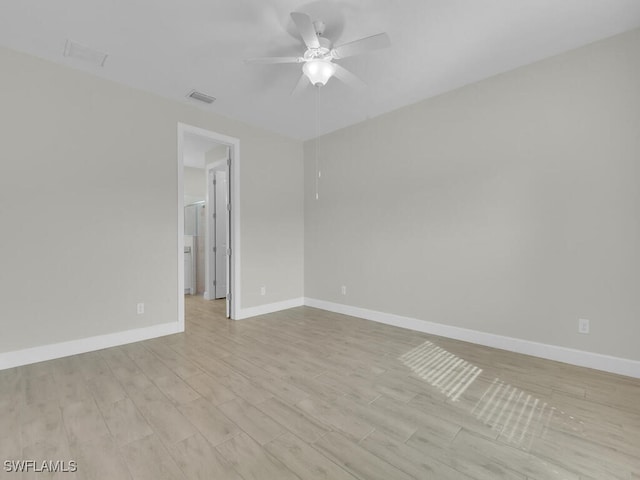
column 307, row 394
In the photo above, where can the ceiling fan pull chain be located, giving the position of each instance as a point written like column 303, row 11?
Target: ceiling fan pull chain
column 317, row 142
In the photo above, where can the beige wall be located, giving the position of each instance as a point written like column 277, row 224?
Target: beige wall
column 195, row 184
column 510, row 206
column 89, row 158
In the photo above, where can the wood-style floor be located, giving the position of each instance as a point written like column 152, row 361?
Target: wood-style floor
column 315, row 395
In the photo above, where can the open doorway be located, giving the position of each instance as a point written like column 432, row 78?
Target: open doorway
column 208, row 218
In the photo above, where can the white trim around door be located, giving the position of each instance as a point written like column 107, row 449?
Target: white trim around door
column 234, row 185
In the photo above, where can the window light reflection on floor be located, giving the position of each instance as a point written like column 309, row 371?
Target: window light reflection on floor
column 518, row 416
column 442, row 369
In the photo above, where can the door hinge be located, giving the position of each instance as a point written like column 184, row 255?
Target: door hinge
column 229, row 207
column 214, row 216
column 229, row 296
column 228, row 162
column 214, row 249
column 214, row 181
column 214, row 283
column 229, row 251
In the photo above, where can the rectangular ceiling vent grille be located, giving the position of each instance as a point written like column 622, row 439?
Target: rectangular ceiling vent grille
column 85, row 54
column 201, row 97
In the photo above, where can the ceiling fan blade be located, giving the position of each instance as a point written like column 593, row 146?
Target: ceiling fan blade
column 306, row 29
column 270, row 60
column 301, row 85
column 364, row 45
column 347, row 77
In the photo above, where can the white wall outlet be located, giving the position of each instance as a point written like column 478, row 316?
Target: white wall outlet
column 140, row 308
column 343, row 289
column 583, row 325
column 263, row 291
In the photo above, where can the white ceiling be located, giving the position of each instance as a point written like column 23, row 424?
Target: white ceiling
column 171, row 47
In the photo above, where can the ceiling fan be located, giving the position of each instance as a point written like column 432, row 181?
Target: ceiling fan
column 318, row 60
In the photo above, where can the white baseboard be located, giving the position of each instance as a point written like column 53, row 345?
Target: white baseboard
column 621, row 366
column 269, row 308
column 83, row 345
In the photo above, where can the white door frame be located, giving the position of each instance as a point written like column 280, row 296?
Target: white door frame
column 234, row 228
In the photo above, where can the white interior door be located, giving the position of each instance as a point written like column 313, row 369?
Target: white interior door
column 221, row 233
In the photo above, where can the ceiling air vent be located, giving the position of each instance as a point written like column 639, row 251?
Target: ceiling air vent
column 86, row 54
column 201, row 97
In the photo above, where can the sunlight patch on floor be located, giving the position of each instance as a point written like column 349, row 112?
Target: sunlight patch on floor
column 518, row 416
column 442, row 369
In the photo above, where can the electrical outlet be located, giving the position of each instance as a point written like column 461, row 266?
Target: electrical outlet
column 343, row 289
column 263, row 291
column 140, row 308
column 583, row 325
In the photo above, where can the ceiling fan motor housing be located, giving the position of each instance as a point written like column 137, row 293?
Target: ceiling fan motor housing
column 320, row 53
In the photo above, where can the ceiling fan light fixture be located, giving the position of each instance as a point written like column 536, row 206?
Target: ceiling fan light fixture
column 319, row 71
